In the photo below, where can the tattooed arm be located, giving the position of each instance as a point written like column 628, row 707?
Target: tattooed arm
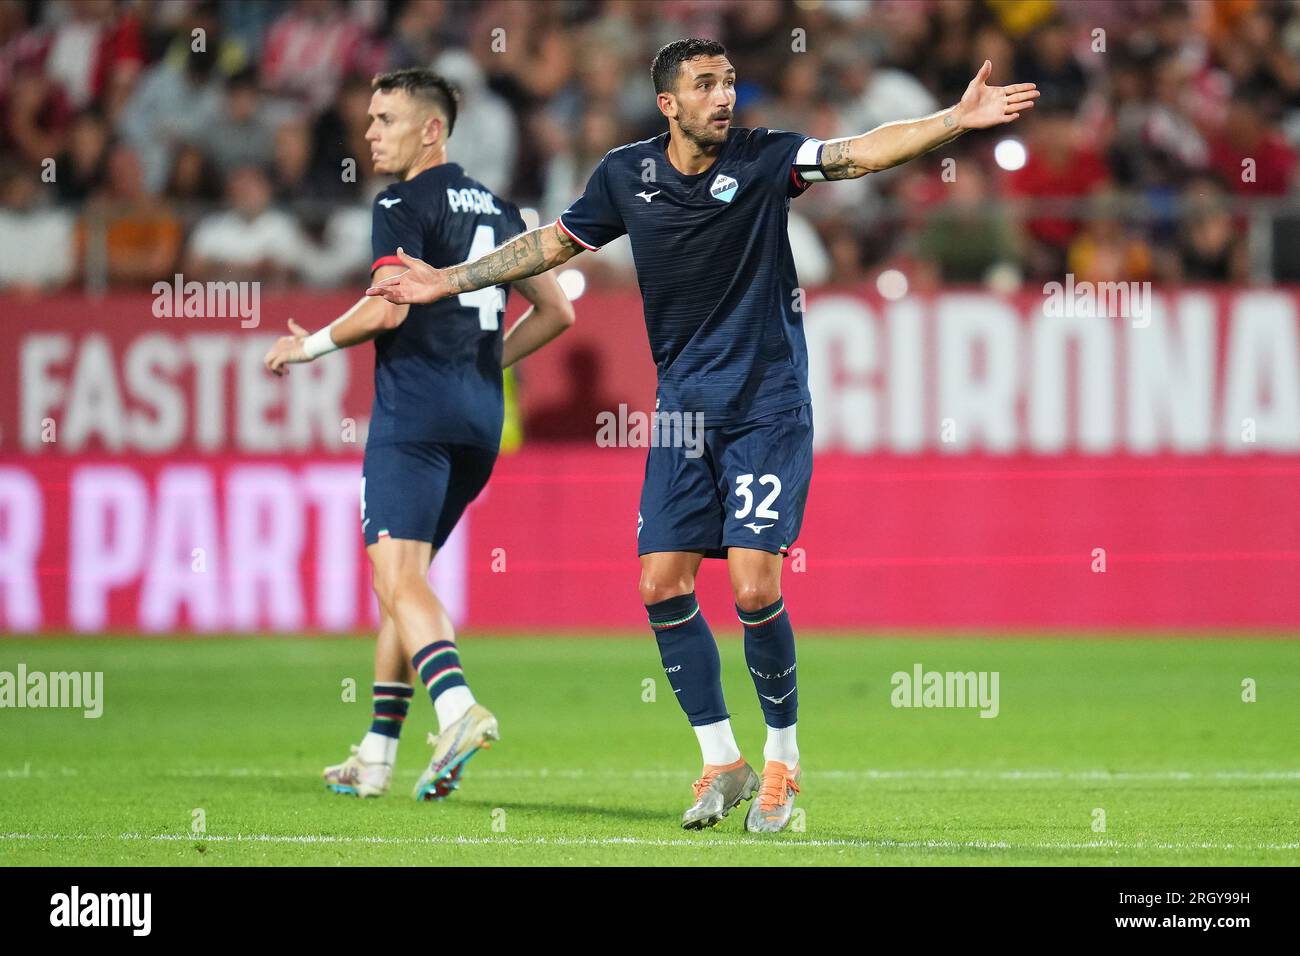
column 981, row 106
column 526, row 255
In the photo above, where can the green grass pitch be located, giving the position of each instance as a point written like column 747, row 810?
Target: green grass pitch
column 233, row 732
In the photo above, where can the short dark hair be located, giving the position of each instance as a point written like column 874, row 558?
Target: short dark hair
column 668, row 61
column 417, row 81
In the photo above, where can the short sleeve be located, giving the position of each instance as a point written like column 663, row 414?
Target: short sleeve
column 798, row 160
column 395, row 223
column 592, row 220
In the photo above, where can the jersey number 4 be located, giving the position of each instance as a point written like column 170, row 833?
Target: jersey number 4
column 489, row 301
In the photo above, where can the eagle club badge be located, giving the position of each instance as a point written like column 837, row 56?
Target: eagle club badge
column 724, row 188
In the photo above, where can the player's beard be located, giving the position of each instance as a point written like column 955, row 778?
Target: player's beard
column 703, row 133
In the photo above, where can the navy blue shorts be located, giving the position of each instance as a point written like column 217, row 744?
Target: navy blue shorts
column 419, row 490
column 747, row 490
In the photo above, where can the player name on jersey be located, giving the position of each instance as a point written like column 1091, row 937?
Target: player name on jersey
column 472, row 200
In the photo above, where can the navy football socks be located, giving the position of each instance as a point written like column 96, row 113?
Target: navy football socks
column 391, row 704
column 769, row 652
column 690, row 658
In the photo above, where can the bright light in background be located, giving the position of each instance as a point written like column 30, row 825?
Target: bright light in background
column 530, row 217
column 891, row 284
column 573, row 283
column 1010, row 154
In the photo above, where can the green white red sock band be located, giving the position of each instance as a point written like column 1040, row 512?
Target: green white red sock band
column 763, row 615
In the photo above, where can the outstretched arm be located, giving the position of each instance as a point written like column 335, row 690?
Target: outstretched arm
column 524, row 256
column 361, row 323
column 981, row 106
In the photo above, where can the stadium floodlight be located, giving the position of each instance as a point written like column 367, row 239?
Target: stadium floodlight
column 892, row 284
column 1010, row 154
column 573, row 283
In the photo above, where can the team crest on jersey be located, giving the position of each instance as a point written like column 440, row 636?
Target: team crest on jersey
column 724, row 188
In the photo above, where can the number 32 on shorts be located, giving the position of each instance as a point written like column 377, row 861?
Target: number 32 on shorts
column 764, row 509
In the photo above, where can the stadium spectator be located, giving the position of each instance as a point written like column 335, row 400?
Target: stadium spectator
column 93, row 52
column 1251, row 158
column 1058, row 167
column 969, row 235
column 417, row 34
column 292, row 180
column 126, row 234
column 1155, row 137
column 311, row 48
column 1210, row 247
column 1182, row 88
column 484, row 141
column 36, row 241
column 343, row 257
column 169, row 105
column 79, row 169
column 811, row 260
column 878, row 94
column 1050, row 63
column 250, row 241
column 241, row 132
column 36, row 117
column 340, row 153
column 1107, row 250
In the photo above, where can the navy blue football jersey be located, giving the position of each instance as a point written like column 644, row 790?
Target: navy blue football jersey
column 714, row 264
column 438, row 374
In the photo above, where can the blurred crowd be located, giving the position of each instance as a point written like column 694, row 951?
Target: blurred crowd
column 225, row 138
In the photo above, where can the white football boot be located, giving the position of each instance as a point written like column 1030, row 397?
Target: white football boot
column 358, row 778
column 451, row 748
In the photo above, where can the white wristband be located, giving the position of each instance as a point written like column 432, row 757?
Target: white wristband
column 319, row 343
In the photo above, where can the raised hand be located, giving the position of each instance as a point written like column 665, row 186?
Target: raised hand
column 287, row 350
column 983, row 106
column 420, row 282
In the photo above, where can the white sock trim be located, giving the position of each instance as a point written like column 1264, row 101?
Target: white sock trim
column 781, row 745
column 717, row 743
column 377, row 748
column 451, row 705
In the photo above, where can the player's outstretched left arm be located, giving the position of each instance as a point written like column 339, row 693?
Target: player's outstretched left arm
column 981, row 106
column 361, row 323
column 522, row 257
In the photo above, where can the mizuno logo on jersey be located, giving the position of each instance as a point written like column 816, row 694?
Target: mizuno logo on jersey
column 472, row 200
column 647, row 195
column 724, row 188
column 755, row 527
column 389, row 203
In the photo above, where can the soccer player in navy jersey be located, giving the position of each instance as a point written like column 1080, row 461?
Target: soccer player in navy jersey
column 705, row 206
column 435, row 426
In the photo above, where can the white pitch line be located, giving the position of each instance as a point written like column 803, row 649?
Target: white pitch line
column 611, row 773
column 636, row 841
column 579, row 773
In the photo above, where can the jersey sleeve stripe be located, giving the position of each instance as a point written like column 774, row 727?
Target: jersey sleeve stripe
column 808, row 161
column 569, row 232
column 385, row 261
